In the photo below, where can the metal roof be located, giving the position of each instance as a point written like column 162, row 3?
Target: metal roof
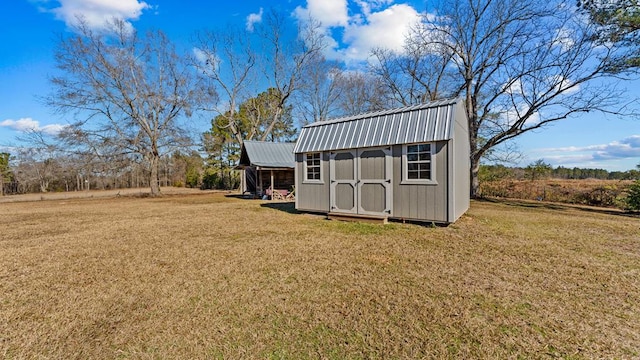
column 268, row 154
column 432, row 121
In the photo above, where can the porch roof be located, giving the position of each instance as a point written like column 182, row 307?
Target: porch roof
column 266, row 154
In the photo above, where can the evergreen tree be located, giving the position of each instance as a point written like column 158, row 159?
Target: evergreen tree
column 5, row 171
column 619, row 22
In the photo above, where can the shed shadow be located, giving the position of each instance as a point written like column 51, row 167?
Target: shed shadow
column 288, row 207
column 246, row 196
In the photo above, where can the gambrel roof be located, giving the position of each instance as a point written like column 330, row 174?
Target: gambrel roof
column 428, row 122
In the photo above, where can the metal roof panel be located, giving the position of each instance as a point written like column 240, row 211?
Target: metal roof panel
column 418, row 123
column 270, row 154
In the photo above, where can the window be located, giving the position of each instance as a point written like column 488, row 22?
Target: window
column 417, row 163
column 312, row 165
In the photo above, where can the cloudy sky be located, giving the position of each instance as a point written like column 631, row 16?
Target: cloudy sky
column 30, row 29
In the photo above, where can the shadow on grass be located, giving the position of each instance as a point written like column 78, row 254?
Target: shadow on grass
column 240, row 196
column 288, row 207
column 558, row 206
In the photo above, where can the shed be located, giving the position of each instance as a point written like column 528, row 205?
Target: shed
column 266, row 165
column 409, row 163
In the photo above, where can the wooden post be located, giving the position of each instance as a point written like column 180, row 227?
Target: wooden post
column 272, row 188
column 243, row 181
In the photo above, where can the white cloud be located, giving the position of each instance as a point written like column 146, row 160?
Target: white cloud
column 97, row 13
column 200, row 55
column 330, row 13
column 564, row 39
column 556, row 83
column 252, row 19
column 30, row 125
column 208, row 60
column 594, row 155
column 376, row 24
column 513, row 114
column 514, row 87
column 387, row 29
column 368, row 5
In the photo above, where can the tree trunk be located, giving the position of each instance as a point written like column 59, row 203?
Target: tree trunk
column 475, row 181
column 154, row 179
column 44, row 186
column 274, row 121
column 475, row 155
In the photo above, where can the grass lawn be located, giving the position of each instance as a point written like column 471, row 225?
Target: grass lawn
column 209, row 276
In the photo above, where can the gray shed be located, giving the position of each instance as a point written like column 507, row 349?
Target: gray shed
column 408, row 163
column 266, row 165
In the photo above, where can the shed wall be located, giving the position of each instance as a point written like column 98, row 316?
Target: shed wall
column 421, row 201
column 461, row 166
column 312, row 196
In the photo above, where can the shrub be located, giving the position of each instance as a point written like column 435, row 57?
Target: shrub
column 633, row 196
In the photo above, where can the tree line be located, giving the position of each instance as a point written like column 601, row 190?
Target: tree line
column 131, row 98
column 540, row 170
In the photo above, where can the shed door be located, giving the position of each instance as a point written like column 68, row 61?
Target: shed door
column 361, row 181
column 374, row 186
column 342, row 167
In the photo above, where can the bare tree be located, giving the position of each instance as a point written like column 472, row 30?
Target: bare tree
column 286, row 59
column 320, row 92
column 519, row 65
column 36, row 169
column 127, row 93
column 417, row 74
column 360, row 92
column 236, row 67
column 226, row 65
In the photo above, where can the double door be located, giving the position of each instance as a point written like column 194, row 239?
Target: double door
column 361, row 181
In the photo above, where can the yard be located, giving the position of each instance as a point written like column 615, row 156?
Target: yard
column 213, row 276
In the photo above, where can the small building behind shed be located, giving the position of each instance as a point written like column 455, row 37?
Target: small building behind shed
column 410, row 163
column 266, row 165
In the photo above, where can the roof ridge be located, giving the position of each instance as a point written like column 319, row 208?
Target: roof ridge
column 371, row 114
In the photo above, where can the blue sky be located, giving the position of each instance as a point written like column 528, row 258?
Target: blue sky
column 30, row 28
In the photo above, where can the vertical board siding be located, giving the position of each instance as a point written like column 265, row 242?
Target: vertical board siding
column 419, row 201
column 373, row 197
column 372, row 164
column 312, row 196
column 344, row 166
column 461, row 167
column 345, row 196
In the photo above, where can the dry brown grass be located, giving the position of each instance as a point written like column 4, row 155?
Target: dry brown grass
column 208, row 276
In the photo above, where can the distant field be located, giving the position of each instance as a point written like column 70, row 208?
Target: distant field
column 210, row 276
column 592, row 192
column 133, row 192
